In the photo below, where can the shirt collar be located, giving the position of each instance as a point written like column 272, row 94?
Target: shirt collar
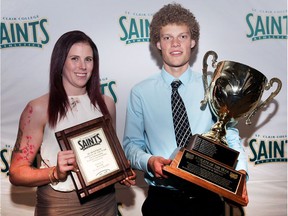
column 184, row 78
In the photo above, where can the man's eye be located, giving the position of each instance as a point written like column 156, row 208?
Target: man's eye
column 183, row 36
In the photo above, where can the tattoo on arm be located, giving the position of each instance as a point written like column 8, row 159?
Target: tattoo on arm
column 29, row 110
column 28, row 149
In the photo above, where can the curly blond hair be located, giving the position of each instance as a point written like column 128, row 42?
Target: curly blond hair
column 173, row 14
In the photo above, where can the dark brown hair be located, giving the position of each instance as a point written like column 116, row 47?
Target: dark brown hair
column 58, row 99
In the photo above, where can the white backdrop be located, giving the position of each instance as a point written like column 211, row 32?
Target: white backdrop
column 253, row 32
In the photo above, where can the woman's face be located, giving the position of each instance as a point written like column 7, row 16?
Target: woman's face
column 77, row 68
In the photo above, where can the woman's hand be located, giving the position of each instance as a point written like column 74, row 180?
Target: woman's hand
column 66, row 162
column 130, row 180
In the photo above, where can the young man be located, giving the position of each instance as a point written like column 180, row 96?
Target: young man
column 149, row 138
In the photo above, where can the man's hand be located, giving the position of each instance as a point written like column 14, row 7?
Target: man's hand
column 156, row 164
column 244, row 192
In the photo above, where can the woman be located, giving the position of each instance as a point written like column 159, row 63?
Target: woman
column 74, row 97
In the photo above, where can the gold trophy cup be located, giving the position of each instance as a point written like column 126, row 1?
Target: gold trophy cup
column 234, row 92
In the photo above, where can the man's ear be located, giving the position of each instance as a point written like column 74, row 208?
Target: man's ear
column 193, row 43
column 158, row 45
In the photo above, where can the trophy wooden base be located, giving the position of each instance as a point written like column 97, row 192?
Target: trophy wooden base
column 209, row 174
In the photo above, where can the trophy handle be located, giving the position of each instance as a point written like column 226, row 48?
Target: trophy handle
column 204, row 70
column 272, row 95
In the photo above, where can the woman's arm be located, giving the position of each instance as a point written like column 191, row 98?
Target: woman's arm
column 27, row 145
column 111, row 108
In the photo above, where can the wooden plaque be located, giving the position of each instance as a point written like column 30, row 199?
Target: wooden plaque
column 99, row 155
column 208, row 173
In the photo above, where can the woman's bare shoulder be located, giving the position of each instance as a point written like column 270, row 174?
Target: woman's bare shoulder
column 110, row 104
column 111, row 108
column 38, row 107
column 108, row 100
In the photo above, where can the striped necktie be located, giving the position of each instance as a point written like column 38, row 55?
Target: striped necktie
column 180, row 118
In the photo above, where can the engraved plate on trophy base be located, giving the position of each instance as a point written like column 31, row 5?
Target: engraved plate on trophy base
column 208, row 173
column 219, row 152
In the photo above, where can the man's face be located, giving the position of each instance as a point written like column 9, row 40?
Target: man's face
column 175, row 44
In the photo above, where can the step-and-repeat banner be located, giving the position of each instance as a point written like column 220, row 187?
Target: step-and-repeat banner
column 252, row 32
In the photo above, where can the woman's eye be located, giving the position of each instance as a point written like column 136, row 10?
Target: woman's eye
column 89, row 59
